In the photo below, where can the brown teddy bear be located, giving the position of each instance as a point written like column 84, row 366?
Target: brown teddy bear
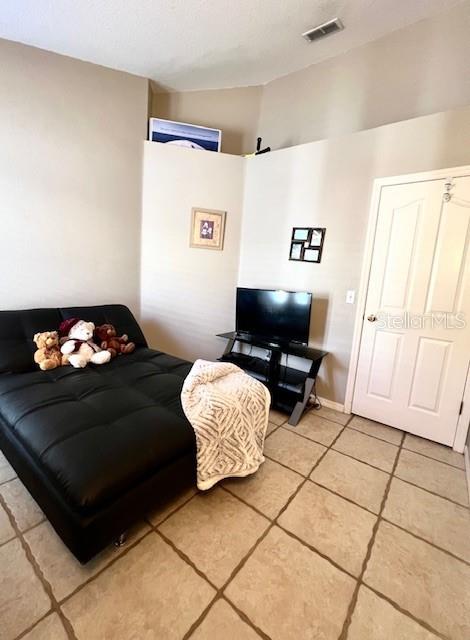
column 107, row 338
column 48, row 355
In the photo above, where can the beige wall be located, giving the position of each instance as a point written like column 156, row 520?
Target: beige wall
column 415, row 71
column 329, row 184
column 70, row 180
column 188, row 295
column 418, row 70
column 235, row 111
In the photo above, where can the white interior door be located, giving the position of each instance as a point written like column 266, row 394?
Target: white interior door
column 415, row 344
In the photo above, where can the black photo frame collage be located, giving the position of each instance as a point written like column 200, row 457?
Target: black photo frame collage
column 307, row 244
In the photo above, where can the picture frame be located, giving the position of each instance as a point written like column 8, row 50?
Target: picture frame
column 184, row 134
column 300, row 233
column 296, row 250
column 311, row 255
column 307, row 244
column 207, row 229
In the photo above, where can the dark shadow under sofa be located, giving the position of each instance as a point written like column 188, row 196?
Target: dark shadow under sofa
column 98, row 447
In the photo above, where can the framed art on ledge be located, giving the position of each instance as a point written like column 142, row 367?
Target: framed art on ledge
column 182, row 134
column 207, row 229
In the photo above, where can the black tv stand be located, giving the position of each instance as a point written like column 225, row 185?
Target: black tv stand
column 290, row 388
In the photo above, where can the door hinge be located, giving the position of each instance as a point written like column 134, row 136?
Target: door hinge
column 461, row 408
column 448, row 186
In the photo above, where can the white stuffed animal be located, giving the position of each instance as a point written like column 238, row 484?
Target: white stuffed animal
column 79, row 346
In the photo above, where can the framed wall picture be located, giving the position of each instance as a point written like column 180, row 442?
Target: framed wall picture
column 183, row 134
column 207, row 229
column 307, row 244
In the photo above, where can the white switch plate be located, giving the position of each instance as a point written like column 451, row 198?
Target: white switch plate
column 350, row 296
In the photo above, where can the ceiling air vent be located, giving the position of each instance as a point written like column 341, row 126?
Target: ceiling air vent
column 323, row 30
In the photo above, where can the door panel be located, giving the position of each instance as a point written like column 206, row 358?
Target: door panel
column 414, row 357
column 429, row 374
column 446, row 276
column 400, row 255
column 384, row 363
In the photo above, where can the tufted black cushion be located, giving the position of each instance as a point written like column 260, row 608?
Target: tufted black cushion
column 100, row 431
column 17, row 329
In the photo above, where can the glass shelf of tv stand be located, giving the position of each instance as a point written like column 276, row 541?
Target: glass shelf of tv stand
column 290, row 348
column 290, row 387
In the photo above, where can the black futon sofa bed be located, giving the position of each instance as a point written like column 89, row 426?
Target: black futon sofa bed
column 97, row 447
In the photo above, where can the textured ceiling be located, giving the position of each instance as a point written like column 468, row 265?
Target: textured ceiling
column 202, row 44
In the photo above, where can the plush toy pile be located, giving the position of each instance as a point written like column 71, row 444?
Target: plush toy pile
column 79, row 342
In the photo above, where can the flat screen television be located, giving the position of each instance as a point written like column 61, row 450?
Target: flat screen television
column 278, row 315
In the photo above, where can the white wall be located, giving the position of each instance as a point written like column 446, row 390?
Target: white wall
column 188, row 295
column 70, row 180
column 328, row 184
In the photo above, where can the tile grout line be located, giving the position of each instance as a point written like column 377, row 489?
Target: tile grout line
column 352, row 605
column 9, row 479
column 125, row 551
column 291, row 534
column 128, row 547
column 422, row 623
column 112, row 561
column 433, row 493
column 273, row 522
column 218, row 590
column 432, row 544
column 39, row 574
column 299, row 473
column 424, row 455
column 154, row 529
column 418, row 453
column 33, row 626
column 360, row 582
column 301, row 435
column 33, row 526
column 234, row 495
column 23, row 532
column 371, row 435
column 356, row 504
column 245, row 559
column 245, row 618
column 172, row 512
column 348, row 455
column 183, row 556
column 350, row 500
column 427, row 457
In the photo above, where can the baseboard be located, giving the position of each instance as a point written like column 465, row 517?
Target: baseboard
column 466, row 454
column 329, row 404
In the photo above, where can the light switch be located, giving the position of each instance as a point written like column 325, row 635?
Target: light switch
column 350, row 296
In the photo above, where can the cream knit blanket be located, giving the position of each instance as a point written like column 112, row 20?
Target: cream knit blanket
column 228, row 411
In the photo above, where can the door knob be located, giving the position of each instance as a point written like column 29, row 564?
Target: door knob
column 372, row 318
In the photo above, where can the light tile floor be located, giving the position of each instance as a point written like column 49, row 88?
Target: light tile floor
column 351, row 530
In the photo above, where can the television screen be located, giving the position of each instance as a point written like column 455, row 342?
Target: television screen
column 278, row 315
